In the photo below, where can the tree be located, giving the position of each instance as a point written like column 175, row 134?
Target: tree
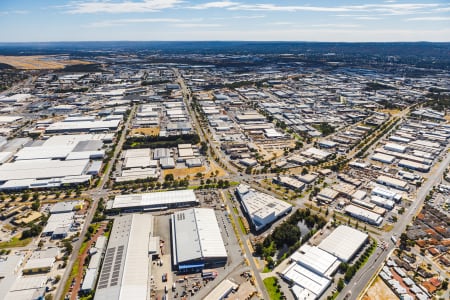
column 403, row 240
column 169, row 177
column 304, row 171
column 445, row 284
column 340, row 285
column 57, row 278
column 203, row 147
column 35, row 205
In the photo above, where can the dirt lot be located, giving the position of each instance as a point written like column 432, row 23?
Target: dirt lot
column 181, row 173
column 379, row 291
column 145, row 131
column 38, row 62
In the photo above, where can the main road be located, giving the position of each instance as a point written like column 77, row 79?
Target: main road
column 371, row 268
column 96, row 194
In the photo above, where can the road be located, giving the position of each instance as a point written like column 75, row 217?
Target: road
column 204, row 137
column 96, row 193
column 248, row 254
column 365, row 274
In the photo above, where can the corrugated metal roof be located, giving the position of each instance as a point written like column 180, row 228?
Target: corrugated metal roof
column 343, row 242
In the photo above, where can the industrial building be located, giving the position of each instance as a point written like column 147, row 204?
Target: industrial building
column 385, row 193
column 152, row 201
column 96, row 255
column 383, row 202
column 413, row 165
column 384, row 158
column 66, row 159
column 262, row 209
column 310, row 272
column 83, row 126
column 393, row 182
column 344, row 242
column 58, row 225
column 126, row 268
column 196, row 240
column 364, row 215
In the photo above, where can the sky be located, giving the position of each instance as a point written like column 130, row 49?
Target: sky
column 236, row 20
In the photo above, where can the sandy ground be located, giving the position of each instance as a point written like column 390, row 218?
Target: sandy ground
column 145, row 131
column 38, row 62
column 379, row 291
column 181, row 173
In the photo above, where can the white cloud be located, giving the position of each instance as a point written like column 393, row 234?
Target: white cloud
column 104, row 6
column 14, row 12
column 217, row 4
column 119, row 22
column 335, row 25
column 197, row 25
column 387, row 8
column 435, row 18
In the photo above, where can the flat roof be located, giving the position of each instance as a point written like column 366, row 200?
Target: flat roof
column 58, row 220
column 307, row 279
column 262, row 208
column 197, row 235
column 126, row 267
column 154, row 199
column 343, row 242
column 316, row 259
column 32, row 169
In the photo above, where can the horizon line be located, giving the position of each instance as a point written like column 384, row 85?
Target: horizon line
column 216, row 41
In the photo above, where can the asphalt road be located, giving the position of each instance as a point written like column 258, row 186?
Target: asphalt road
column 243, row 237
column 96, row 193
column 365, row 274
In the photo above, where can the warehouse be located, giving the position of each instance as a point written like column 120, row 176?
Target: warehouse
column 395, row 147
column 327, row 195
column 152, row 201
column 316, row 260
column 364, row 215
column 126, row 268
column 382, row 202
column 86, row 126
column 262, row 209
column 393, row 182
column 384, row 158
column 196, row 240
column 344, row 242
column 307, row 284
column 413, row 166
column 385, row 193
column 58, row 225
column 289, row 182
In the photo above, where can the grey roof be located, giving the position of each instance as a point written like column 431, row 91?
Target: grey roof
column 343, row 242
column 196, row 235
column 125, row 271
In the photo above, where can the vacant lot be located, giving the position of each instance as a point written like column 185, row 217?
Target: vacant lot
column 379, row 291
column 181, row 173
column 145, row 131
column 38, row 62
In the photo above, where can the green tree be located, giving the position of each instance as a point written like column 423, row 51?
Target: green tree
column 340, row 285
column 169, row 177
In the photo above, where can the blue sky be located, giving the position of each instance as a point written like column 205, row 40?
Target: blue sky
column 252, row 20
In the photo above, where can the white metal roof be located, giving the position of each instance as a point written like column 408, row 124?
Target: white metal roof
column 158, row 198
column 28, row 169
column 128, row 252
column 315, row 258
column 197, row 235
column 307, row 279
column 343, row 242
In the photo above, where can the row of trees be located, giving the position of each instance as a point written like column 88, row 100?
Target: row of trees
column 350, row 270
column 137, row 142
